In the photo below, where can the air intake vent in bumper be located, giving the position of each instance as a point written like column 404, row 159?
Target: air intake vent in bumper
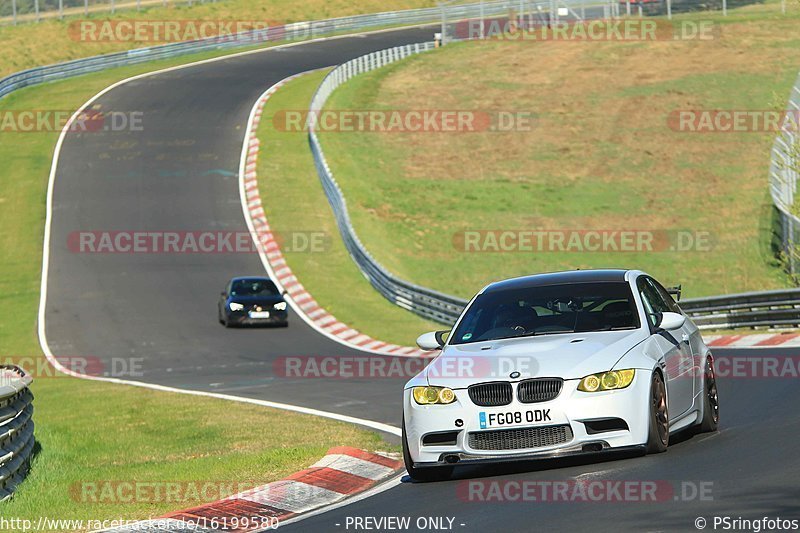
column 520, row 439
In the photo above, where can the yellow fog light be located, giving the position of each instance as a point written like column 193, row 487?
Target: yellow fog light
column 613, row 380
column 433, row 395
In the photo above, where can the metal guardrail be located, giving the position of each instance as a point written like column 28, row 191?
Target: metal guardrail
column 774, row 309
column 783, row 174
column 289, row 32
column 16, row 428
column 425, row 302
column 770, row 309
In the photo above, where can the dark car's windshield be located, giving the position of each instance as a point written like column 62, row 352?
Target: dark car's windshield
column 566, row 308
column 253, row 287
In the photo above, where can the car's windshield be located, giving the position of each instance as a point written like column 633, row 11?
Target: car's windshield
column 253, row 287
column 566, row 308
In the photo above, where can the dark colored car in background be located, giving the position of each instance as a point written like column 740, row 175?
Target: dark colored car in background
column 251, row 301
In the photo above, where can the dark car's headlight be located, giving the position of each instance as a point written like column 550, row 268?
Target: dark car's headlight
column 235, row 307
column 613, row 380
column 280, row 306
column 433, row 395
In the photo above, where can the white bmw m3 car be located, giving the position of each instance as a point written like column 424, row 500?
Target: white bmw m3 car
column 558, row 364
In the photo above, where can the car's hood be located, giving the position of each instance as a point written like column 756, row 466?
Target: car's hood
column 259, row 299
column 567, row 356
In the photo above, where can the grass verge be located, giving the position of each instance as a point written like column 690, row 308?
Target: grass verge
column 93, row 432
column 600, row 155
column 294, row 201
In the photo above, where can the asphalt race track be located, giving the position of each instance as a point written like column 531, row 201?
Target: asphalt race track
column 179, row 174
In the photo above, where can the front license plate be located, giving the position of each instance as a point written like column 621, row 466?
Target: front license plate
column 514, row 418
column 259, row 314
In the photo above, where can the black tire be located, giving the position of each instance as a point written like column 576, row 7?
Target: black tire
column 431, row 473
column 658, row 433
column 710, row 420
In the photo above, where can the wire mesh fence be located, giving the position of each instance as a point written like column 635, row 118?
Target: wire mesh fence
column 460, row 22
column 783, row 174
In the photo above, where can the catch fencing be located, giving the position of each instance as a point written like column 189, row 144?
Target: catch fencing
column 783, row 173
column 16, row 428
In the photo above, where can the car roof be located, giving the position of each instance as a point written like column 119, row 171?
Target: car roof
column 250, row 278
column 558, row 278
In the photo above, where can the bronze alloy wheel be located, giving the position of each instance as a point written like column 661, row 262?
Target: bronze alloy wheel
column 710, row 421
column 658, row 429
column 711, row 390
column 660, row 409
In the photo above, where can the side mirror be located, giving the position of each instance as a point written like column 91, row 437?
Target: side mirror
column 283, row 292
column 671, row 321
column 433, row 340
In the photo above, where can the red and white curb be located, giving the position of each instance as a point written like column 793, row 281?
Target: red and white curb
column 343, row 472
column 303, row 302
column 757, row 340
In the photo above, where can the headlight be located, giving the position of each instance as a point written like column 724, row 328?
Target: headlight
column 432, row 395
column 235, row 307
column 616, row 379
column 280, row 306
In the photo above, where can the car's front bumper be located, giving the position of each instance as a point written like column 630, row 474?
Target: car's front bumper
column 572, row 407
column 563, row 453
column 242, row 318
